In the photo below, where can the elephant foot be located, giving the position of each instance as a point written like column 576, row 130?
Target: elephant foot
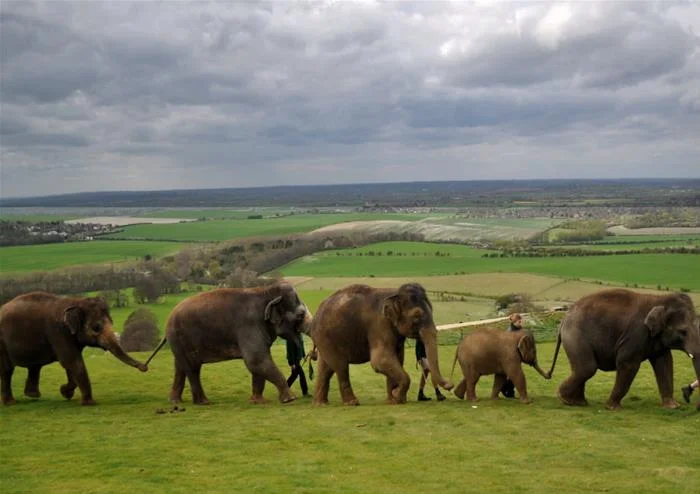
column 288, row 398
column 525, row 401
column 175, row 399
column 447, row 385
column 670, row 404
column 320, row 403
column 257, row 400
column 613, row 406
column 9, row 401
column 67, row 391
column 201, row 401
column 32, row 393
column 572, row 402
column 352, row 402
column 88, row 402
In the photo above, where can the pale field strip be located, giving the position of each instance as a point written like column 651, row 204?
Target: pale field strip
column 621, row 230
column 128, row 220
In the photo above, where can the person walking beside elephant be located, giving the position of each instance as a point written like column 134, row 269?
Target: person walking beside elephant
column 295, row 354
column 516, row 324
column 422, row 361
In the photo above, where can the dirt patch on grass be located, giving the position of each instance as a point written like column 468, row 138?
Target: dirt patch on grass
column 434, row 232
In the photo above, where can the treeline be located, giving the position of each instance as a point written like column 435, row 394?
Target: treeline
column 666, row 219
column 561, row 252
column 379, row 253
column 237, row 263
column 46, row 232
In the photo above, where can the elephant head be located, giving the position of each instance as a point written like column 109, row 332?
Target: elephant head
column 411, row 313
column 674, row 323
column 528, row 352
column 89, row 320
column 287, row 314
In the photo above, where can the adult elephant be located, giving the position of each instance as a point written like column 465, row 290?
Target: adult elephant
column 619, row 329
column 493, row 351
column 359, row 324
column 233, row 323
column 39, row 328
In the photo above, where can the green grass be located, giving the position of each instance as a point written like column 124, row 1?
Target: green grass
column 689, row 241
column 48, row 257
column 673, row 270
column 54, row 445
column 217, row 230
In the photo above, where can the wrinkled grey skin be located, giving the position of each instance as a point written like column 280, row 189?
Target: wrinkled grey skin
column 617, row 330
column 233, row 323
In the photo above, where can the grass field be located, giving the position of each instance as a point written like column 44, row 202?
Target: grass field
column 673, row 270
column 53, row 256
column 214, row 213
column 217, row 230
column 53, row 445
column 689, row 241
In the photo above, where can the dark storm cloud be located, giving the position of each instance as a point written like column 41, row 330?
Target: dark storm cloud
column 178, row 94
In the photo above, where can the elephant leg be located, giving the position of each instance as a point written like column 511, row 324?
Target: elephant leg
column 572, row 390
column 78, row 375
column 390, row 366
column 178, row 384
column 460, row 389
column 663, row 371
column 258, row 386
column 68, row 390
column 263, row 365
column 193, row 376
column 498, row 381
column 346, row 392
column 472, row 379
column 6, row 370
column 324, row 373
column 518, row 378
column 31, row 386
column 623, row 380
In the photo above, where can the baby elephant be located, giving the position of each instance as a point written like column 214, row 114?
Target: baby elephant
column 493, row 351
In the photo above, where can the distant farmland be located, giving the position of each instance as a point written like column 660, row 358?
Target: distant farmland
column 218, row 230
column 650, row 270
column 54, row 256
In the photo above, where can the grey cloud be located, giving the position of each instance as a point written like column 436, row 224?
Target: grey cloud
column 316, row 92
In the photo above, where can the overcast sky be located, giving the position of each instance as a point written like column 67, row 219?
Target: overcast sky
column 162, row 95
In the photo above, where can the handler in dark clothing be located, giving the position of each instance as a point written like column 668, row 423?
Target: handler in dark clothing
column 516, row 324
column 422, row 360
column 295, row 354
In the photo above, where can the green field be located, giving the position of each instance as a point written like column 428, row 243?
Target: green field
column 54, row 256
column 213, row 213
column 673, row 270
column 689, row 241
column 217, row 230
column 53, row 445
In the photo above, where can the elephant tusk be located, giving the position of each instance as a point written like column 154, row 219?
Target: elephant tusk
column 691, row 356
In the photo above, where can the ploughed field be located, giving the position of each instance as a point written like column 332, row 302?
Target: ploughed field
column 54, row 445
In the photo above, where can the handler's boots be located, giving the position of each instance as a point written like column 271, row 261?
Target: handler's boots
column 687, row 391
column 439, row 395
column 422, row 397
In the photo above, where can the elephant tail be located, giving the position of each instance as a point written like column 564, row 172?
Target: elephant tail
column 160, row 345
column 556, row 350
column 454, row 362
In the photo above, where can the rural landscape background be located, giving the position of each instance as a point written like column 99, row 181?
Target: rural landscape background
column 480, row 249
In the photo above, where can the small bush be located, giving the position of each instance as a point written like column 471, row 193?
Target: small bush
column 140, row 331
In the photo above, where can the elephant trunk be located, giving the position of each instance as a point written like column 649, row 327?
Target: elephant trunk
column 696, row 365
column 108, row 341
column 542, row 373
column 429, row 337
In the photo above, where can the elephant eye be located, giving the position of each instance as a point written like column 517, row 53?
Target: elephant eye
column 97, row 327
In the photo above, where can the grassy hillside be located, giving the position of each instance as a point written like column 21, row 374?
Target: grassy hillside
column 421, row 259
column 53, row 256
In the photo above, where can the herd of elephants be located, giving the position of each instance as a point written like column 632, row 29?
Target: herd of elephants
column 611, row 330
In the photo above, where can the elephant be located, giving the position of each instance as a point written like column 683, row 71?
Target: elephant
column 618, row 329
column 493, row 351
column 359, row 324
column 39, row 328
column 233, row 323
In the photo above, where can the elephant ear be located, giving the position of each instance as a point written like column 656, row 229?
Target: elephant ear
column 74, row 317
column 392, row 309
column 655, row 320
column 526, row 348
column 270, row 305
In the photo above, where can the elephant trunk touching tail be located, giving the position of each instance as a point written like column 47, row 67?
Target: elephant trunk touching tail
column 160, row 345
column 429, row 337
